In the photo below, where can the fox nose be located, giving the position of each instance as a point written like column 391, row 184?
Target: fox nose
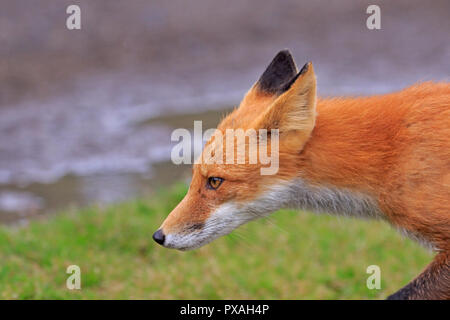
column 159, row 236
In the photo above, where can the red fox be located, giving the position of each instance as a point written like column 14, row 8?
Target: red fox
column 384, row 157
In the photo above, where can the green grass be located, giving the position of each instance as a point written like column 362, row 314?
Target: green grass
column 291, row 255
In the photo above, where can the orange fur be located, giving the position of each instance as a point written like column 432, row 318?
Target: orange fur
column 396, row 147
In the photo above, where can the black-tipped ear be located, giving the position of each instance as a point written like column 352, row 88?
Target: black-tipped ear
column 279, row 72
column 288, row 84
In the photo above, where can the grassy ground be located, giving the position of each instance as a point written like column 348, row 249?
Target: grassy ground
column 291, row 255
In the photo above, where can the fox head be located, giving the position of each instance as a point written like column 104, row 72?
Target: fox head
column 224, row 195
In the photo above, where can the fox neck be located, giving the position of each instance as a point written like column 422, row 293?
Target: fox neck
column 342, row 166
column 329, row 199
column 352, row 146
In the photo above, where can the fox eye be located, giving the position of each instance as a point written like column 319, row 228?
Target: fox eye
column 214, row 182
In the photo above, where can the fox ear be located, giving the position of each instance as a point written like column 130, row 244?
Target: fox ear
column 279, row 72
column 295, row 108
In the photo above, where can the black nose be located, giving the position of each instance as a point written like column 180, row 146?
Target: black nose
column 159, row 236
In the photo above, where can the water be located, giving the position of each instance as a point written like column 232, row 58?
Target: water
column 90, row 160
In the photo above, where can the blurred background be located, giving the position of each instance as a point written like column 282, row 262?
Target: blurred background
column 85, row 123
column 86, row 115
